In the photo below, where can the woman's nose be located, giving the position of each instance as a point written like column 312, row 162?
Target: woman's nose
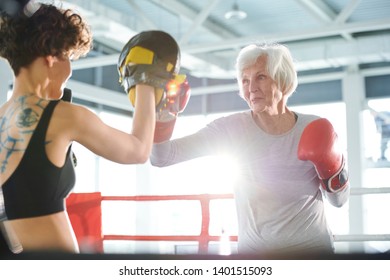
column 252, row 86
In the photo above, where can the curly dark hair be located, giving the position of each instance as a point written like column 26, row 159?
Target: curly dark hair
column 49, row 31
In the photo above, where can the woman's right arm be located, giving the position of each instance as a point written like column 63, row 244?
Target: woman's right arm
column 129, row 147
column 144, row 120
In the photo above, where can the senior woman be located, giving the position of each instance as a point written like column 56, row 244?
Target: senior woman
column 288, row 162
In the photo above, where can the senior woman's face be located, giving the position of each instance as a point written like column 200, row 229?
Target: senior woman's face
column 259, row 89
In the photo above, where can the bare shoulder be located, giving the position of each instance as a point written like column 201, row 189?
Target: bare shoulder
column 74, row 112
column 76, row 119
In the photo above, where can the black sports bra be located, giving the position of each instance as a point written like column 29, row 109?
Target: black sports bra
column 38, row 187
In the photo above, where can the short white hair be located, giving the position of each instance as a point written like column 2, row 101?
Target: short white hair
column 280, row 65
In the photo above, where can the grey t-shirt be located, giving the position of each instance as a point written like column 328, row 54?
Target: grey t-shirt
column 278, row 197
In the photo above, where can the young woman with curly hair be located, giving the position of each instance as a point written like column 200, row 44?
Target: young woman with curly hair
column 37, row 128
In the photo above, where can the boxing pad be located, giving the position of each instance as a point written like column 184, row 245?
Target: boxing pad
column 178, row 95
column 318, row 144
column 152, row 58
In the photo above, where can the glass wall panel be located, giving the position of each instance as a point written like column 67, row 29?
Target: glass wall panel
column 376, row 173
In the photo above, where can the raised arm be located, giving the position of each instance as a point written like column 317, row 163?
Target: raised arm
column 318, row 144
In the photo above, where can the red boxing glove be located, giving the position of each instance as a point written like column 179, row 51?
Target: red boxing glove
column 177, row 96
column 318, row 144
column 164, row 128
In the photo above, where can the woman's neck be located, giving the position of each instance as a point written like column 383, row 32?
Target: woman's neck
column 275, row 124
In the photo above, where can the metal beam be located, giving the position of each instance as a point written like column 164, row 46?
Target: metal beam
column 318, row 9
column 99, row 95
column 325, row 14
column 201, row 65
column 347, row 11
column 148, row 24
column 335, row 52
column 302, row 34
column 200, row 18
column 183, row 10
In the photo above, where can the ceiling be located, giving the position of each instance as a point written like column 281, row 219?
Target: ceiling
column 321, row 34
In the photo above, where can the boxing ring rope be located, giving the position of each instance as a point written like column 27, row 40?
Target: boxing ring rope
column 364, row 237
column 89, row 228
column 361, row 237
column 204, row 237
column 362, row 191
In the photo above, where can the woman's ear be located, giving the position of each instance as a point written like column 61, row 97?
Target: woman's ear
column 50, row 60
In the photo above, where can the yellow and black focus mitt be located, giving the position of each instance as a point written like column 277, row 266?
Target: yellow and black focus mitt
column 152, row 58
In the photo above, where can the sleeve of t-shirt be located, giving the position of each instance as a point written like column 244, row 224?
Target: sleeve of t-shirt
column 339, row 198
column 207, row 141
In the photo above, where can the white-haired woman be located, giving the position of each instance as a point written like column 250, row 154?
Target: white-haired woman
column 285, row 166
